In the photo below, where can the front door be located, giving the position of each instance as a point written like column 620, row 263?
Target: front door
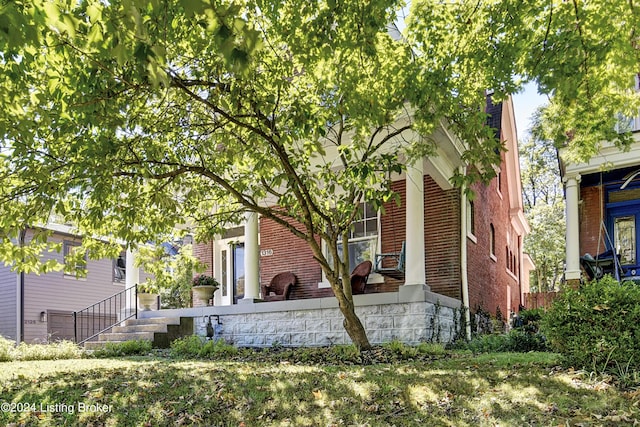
column 230, row 258
column 238, row 272
column 624, row 228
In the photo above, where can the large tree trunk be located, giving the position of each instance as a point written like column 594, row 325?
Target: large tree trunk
column 352, row 324
column 341, row 286
column 355, row 328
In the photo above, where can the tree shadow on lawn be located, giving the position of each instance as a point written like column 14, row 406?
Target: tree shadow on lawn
column 170, row 393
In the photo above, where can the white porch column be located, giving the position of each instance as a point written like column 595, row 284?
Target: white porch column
column 132, row 278
column 251, row 258
column 572, row 196
column 414, row 256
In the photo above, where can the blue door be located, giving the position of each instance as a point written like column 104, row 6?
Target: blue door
column 623, row 225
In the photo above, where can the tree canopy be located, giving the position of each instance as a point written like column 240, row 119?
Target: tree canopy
column 544, row 209
column 128, row 117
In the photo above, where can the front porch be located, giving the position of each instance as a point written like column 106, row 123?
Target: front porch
column 603, row 210
column 412, row 315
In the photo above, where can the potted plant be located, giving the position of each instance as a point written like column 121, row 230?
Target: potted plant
column 148, row 294
column 203, row 287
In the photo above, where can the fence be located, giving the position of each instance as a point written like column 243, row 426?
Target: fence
column 539, row 299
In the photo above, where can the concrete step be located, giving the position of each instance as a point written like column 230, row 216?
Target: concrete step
column 152, row 327
column 153, row 321
column 126, row 336
column 160, row 330
column 96, row 345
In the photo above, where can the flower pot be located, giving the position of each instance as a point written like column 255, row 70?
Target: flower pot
column 204, row 293
column 147, row 300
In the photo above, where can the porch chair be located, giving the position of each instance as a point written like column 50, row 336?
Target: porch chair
column 602, row 264
column 359, row 277
column 279, row 287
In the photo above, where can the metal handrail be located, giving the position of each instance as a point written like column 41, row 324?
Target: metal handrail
column 97, row 318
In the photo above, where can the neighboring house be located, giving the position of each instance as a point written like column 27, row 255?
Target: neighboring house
column 39, row 308
column 470, row 251
column 603, row 209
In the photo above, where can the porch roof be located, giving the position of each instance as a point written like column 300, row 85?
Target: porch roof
column 610, row 157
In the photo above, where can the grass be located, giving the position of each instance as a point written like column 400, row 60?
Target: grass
column 456, row 389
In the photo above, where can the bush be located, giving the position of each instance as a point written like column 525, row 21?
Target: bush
column 6, row 349
column 401, row 350
column 126, row 348
column 195, row 346
column 596, row 326
column 187, row 347
column 54, row 351
column 217, row 348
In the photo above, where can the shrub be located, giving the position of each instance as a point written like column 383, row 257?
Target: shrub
column 54, row 351
column 187, row 347
column 401, row 350
column 195, row 346
column 489, row 343
column 431, row 349
column 523, row 341
column 596, row 326
column 6, row 349
column 217, row 348
column 126, row 348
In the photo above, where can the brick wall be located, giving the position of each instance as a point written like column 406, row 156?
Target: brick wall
column 282, row 251
column 488, row 279
column 591, row 210
column 392, row 229
column 442, row 239
column 204, row 252
column 491, row 284
column 289, row 253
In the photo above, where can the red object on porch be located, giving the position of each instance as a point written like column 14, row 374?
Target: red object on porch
column 280, row 286
column 359, row 277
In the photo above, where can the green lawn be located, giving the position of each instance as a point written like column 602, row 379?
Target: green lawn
column 459, row 390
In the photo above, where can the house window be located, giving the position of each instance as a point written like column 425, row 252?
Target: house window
column 471, row 218
column 363, row 236
column 72, row 265
column 120, row 268
column 626, row 123
column 625, row 238
column 492, row 240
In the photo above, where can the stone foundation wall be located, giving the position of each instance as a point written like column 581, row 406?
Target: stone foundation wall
column 411, row 315
column 410, row 323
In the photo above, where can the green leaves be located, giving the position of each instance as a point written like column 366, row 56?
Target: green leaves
column 153, row 113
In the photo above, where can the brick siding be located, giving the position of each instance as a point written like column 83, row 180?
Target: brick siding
column 491, row 284
column 591, row 210
column 488, row 279
column 289, row 253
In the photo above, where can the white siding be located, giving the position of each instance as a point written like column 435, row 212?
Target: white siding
column 59, row 292
column 8, row 303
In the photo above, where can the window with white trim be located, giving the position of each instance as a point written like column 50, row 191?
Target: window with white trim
column 70, row 268
column 120, row 268
column 492, row 241
column 363, row 236
column 471, row 218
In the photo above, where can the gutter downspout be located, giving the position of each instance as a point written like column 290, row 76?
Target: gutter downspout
column 463, row 258
column 20, row 296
